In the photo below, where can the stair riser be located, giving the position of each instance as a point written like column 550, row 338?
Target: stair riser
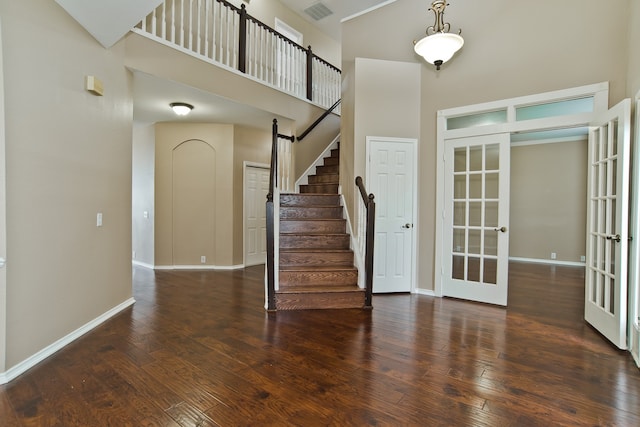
column 313, row 226
column 308, row 301
column 315, row 278
column 319, row 188
column 314, row 242
column 335, row 152
column 327, row 169
column 311, row 212
column 326, row 259
column 331, row 161
column 309, row 200
column 324, row 179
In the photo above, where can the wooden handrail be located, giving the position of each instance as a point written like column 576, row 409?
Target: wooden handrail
column 370, row 206
column 317, row 122
column 270, row 216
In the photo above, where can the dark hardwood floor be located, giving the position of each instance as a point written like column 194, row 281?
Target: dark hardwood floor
column 198, row 349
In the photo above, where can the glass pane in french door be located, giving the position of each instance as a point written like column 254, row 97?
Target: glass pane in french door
column 475, row 211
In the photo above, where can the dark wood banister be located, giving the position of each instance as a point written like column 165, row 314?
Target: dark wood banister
column 273, row 182
column 317, row 122
column 370, row 206
column 242, row 45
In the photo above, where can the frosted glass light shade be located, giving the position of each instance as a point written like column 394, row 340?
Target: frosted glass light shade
column 181, row 108
column 438, row 47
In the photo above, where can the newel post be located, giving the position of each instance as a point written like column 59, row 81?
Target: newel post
column 242, row 40
column 309, row 74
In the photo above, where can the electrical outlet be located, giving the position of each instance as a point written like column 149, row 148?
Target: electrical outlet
column 554, row 255
column 203, row 259
column 99, row 219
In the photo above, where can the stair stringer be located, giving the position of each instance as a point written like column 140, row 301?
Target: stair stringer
column 358, row 257
column 304, row 178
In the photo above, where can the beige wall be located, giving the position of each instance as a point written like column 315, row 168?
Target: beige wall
column 548, row 201
column 633, row 54
column 510, row 57
column 250, row 145
column 220, row 240
column 68, row 156
column 143, row 193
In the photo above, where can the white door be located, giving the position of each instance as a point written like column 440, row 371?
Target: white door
column 476, row 218
column 607, row 224
column 392, row 181
column 256, row 187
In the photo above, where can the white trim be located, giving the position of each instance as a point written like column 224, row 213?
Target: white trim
column 416, row 231
column 599, row 91
column 246, row 165
column 142, row 264
column 288, row 31
column 304, row 178
column 634, row 246
column 371, row 9
column 531, row 142
column 38, row 357
column 198, row 267
column 427, row 292
column 547, row 261
column 358, row 257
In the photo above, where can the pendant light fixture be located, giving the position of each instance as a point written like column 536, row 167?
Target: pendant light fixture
column 439, row 45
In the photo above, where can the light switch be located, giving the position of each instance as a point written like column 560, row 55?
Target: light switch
column 145, row 214
column 99, row 219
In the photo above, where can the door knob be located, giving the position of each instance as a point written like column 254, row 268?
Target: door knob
column 407, row 225
column 616, row 238
column 502, row 229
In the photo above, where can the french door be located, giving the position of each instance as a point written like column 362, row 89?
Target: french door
column 476, row 218
column 607, row 224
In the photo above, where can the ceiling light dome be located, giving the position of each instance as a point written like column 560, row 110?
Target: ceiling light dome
column 439, row 45
column 181, row 108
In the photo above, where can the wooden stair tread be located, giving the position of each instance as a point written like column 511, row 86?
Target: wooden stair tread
column 319, row 288
column 299, row 268
column 314, row 250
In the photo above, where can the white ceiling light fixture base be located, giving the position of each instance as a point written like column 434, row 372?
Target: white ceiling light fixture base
column 439, row 45
column 181, row 108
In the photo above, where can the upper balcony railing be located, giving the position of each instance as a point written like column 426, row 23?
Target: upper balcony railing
column 220, row 33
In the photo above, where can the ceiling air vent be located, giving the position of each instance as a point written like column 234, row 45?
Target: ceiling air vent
column 318, row 11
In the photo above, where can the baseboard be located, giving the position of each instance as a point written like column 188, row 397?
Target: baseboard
column 142, row 264
column 635, row 343
column 547, row 261
column 427, row 292
column 199, row 267
column 33, row 360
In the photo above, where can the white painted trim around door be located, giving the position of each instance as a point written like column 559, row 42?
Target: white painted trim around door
column 416, row 226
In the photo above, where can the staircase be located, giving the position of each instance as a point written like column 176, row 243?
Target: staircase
column 316, row 265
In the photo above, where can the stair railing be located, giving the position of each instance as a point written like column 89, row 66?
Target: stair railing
column 318, row 120
column 220, row 33
column 276, row 181
column 366, row 235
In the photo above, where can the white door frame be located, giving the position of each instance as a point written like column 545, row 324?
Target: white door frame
column 599, row 92
column 3, row 229
column 245, row 165
column 416, row 232
column 634, row 248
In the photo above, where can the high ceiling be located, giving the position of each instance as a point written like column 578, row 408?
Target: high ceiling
column 339, row 9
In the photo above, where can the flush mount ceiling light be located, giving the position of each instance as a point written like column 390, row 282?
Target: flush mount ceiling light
column 181, row 108
column 439, row 45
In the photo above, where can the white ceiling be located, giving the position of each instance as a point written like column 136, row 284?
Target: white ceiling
column 341, row 9
column 152, row 96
